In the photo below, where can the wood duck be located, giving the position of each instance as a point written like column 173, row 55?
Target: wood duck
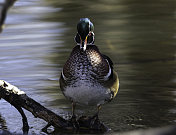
column 88, row 77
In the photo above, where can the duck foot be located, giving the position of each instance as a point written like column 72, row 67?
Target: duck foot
column 95, row 122
column 74, row 122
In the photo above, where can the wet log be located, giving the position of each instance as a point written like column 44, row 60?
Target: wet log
column 20, row 100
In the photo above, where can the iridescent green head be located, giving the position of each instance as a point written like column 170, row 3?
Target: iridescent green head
column 84, row 27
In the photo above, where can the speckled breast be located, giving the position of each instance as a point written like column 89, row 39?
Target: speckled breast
column 88, row 65
column 82, row 75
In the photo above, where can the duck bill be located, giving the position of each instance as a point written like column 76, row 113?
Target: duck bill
column 83, row 45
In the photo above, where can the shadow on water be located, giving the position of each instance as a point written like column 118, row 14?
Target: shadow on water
column 139, row 36
column 154, row 52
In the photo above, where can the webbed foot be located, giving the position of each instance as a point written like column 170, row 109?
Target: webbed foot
column 74, row 122
column 94, row 120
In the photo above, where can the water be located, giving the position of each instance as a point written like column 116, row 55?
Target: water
column 139, row 36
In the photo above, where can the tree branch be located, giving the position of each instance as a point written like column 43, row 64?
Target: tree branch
column 20, row 100
column 3, row 11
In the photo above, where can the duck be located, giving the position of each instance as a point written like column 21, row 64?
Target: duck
column 88, row 77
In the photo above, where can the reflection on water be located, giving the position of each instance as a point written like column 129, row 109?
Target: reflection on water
column 139, row 37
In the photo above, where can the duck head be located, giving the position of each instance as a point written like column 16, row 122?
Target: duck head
column 84, row 29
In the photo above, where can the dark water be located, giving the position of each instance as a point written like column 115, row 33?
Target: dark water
column 139, row 36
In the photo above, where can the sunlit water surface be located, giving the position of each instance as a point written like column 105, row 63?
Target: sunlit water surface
column 138, row 36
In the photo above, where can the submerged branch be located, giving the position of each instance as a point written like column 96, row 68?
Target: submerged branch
column 20, row 100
